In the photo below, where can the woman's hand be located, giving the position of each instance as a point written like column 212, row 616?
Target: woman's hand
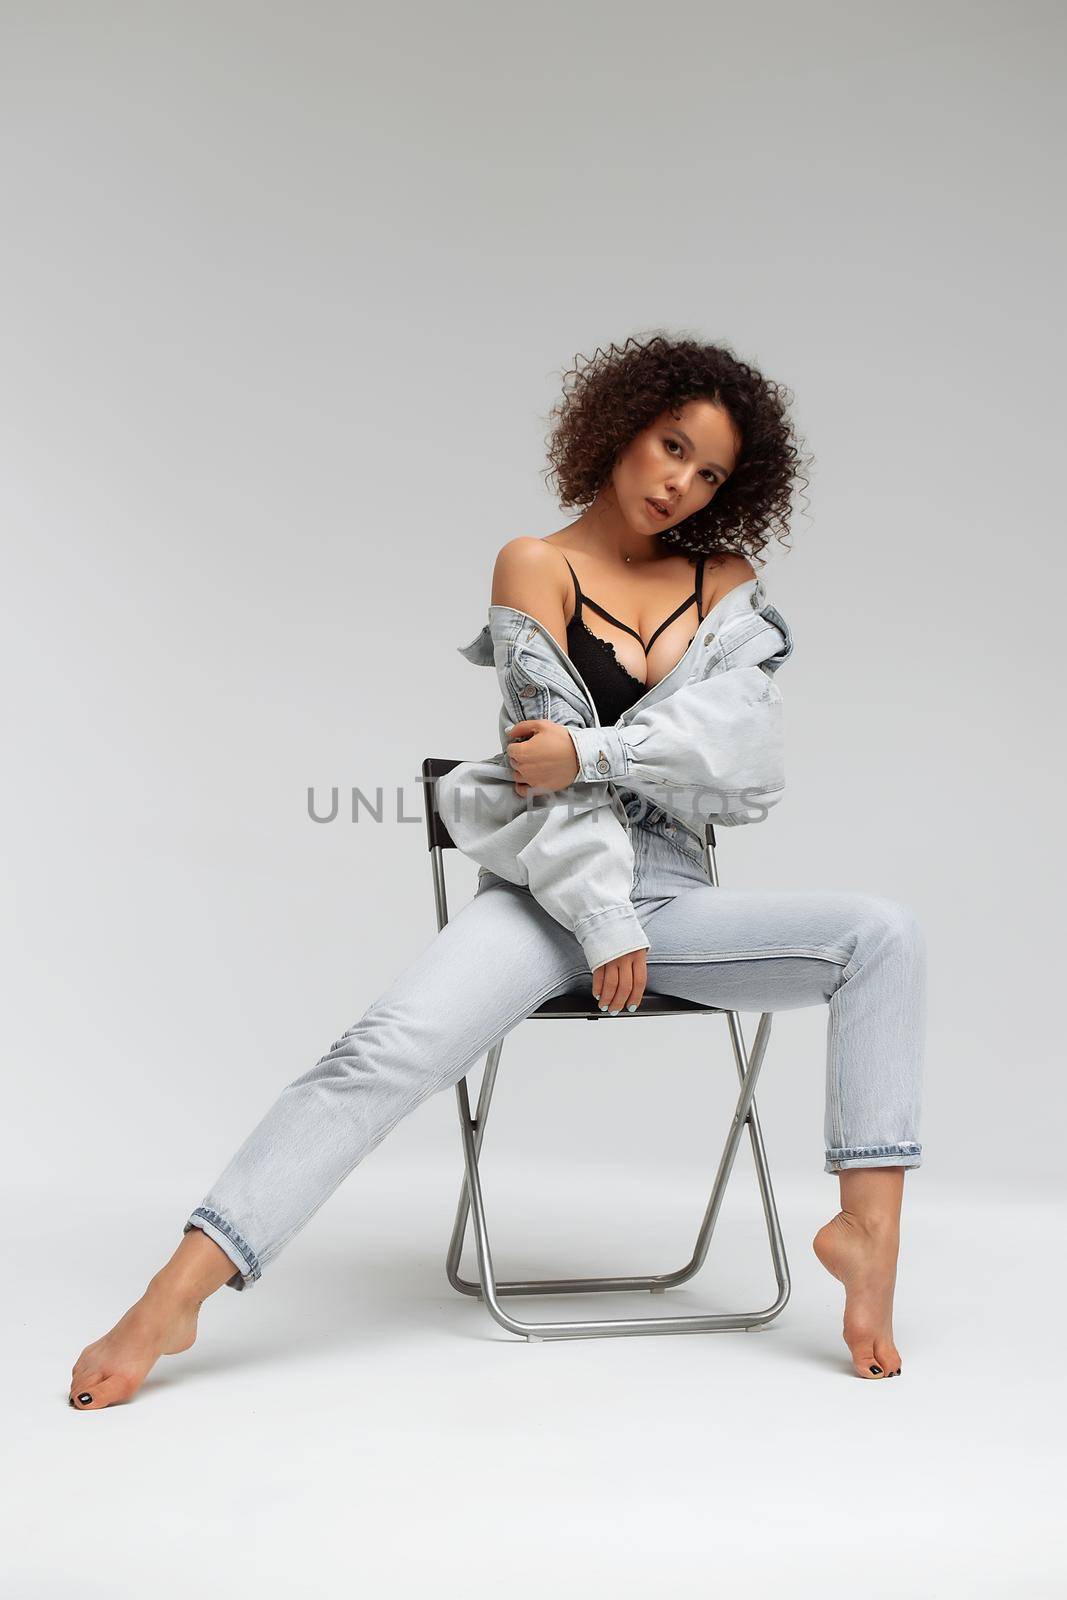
column 621, row 982
column 542, row 756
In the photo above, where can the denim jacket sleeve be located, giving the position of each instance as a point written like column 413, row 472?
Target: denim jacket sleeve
column 571, row 847
column 711, row 750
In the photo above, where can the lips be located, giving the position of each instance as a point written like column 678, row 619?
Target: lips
column 660, row 507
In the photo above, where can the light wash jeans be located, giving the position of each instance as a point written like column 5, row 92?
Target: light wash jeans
column 501, row 955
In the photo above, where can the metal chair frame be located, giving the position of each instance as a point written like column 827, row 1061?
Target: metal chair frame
column 572, row 1006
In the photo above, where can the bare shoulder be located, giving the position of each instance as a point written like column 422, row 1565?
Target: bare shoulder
column 524, row 556
column 724, row 574
column 530, row 577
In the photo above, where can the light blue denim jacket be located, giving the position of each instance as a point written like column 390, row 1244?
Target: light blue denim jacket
column 705, row 744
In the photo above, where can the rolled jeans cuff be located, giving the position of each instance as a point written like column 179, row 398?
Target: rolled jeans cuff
column 602, row 754
column 228, row 1240
column 905, row 1154
column 606, row 935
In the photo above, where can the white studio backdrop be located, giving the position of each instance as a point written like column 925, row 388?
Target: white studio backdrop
column 285, row 309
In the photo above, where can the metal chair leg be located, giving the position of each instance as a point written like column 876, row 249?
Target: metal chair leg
column 770, row 1210
column 459, row 1229
column 471, row 1200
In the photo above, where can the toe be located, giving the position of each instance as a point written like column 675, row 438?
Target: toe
column 886, row 1356
column 864, row 1360
column 83, row 1388
column 101, row 1391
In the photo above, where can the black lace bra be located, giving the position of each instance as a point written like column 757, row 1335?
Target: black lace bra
column 613, row 687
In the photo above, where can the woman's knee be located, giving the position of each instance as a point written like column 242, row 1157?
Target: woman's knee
column 893, row 921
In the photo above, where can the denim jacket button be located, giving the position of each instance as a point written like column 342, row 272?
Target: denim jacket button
column 708, row 637
column 603, row 765
column 527, row 690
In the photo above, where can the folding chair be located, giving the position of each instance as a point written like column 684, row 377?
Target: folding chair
column 580, row 1004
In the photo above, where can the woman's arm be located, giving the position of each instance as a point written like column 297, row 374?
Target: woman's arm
column 527, row 576
column 571, row 849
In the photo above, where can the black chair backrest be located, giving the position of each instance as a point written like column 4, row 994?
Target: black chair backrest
column 437, row 835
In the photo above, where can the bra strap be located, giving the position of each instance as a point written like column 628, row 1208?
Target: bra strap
column 577, row 617
column 700, row 588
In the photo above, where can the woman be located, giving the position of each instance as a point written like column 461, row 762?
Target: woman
column 684, row 461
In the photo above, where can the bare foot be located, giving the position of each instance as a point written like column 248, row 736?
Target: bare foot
column 113, row 1368
column 863, row 1256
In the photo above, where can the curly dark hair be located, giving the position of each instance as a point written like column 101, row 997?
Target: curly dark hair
column 609, row 397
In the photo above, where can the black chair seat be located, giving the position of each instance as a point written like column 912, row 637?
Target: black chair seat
column 580, row 1003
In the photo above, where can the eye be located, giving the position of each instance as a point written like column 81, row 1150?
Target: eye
column 709, row 477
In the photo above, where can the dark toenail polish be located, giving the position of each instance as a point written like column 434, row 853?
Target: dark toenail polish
column 84, row 1399
column 876, row 1370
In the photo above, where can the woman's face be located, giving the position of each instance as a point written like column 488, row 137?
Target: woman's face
column 681, row 460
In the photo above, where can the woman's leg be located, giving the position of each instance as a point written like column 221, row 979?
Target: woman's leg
column 864, row 957
column 497, row 959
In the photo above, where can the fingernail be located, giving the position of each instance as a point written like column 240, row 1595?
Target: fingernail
column 613, row 1012
column 603, row 1008
column 631, row 1008
column 84, row 1399
column 595, row 995
column 876, row 1370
